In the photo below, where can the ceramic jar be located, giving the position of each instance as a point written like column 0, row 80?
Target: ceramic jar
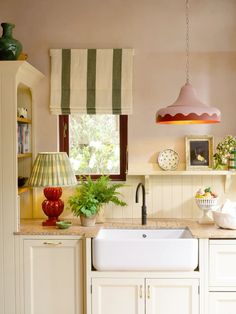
column 10, row 48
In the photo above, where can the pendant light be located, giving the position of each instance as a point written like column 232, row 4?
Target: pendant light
column 188, row 109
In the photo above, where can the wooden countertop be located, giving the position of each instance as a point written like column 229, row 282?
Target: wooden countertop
column 34, row 227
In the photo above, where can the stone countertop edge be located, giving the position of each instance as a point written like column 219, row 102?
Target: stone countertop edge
column 201, row 231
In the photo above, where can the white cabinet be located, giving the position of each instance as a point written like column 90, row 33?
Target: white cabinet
column 117, row 295
column 222, row 302
column 52, row 276
column 222, row 257
column 13, row 74
column 222, row 277
column 168, row 296
column 144, row 296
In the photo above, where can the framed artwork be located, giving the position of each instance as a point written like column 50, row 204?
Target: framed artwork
column 199, row 152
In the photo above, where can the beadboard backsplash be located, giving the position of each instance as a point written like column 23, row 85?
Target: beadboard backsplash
column 168, row 197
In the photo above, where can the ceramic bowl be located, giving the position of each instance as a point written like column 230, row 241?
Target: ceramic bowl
column 63, row 224
column 224, row 220
column 206, row 203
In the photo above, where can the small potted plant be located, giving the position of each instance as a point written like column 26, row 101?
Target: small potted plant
column 91, row 195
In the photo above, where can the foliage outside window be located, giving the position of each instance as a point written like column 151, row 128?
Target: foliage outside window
column 96, row 144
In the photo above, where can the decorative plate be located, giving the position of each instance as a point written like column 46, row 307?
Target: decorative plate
column 168, row 159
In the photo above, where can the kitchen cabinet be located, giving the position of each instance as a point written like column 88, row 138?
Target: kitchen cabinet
column 222, row 257
column 222, row 277
column 145, row 296
column 118, row 295
column 16, row 77
column 222, row 302
column 52, row 276
column 168, row 296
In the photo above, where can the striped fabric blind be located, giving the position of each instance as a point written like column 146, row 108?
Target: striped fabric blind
column 92, row 81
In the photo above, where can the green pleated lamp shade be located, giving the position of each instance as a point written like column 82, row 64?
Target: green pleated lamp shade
column 52, row 169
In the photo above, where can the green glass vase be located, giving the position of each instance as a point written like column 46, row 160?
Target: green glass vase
column 10, row 48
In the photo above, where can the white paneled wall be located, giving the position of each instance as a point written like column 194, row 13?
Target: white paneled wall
column 168, row 197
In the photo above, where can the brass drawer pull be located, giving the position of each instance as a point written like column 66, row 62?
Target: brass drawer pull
column 52, row 243
column 140, row 291
column 148, row 292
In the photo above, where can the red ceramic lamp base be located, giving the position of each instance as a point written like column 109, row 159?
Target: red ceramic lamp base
column 52, row 206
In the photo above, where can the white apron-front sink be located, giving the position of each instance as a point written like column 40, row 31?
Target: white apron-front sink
column 145, row 249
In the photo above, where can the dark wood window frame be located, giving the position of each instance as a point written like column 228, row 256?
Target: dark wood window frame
column 64, row 144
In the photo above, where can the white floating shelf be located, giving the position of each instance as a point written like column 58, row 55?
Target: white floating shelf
column 181, row 173
column 152, row 169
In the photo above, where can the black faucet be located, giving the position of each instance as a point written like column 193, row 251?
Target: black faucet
column 144, row 207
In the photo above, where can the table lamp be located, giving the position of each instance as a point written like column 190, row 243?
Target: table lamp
column 51, row 171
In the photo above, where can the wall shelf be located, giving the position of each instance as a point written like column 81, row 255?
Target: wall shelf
column 24, row 120
column 23, row 189
column 182, row 173
column 26, row 155
column 153, row 169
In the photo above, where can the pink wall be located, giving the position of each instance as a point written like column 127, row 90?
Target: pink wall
column 156, row 30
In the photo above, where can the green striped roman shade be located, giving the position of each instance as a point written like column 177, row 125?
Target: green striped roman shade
column 92, row 81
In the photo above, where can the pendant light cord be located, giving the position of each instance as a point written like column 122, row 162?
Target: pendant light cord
column 187, row 41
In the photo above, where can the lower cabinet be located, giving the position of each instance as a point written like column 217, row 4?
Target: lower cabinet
column 222, row 277
column 222, row 302
column 222, row 256
column 118, row 296
column 144, row 296
column 52, row 276
column 168, row 296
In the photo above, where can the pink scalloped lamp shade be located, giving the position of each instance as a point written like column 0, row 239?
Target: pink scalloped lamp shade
column 188, row 109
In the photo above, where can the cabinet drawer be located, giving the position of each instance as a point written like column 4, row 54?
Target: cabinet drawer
column 222, row 264
column 222, row 302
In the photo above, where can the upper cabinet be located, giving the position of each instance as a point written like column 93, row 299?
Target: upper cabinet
column 18, row 83
column 16, row 78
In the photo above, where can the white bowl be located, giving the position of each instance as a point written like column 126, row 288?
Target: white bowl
column 224, row 220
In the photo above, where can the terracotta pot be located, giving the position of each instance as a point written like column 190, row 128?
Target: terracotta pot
column 88, row 221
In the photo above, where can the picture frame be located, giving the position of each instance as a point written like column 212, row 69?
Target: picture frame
column 199, row 152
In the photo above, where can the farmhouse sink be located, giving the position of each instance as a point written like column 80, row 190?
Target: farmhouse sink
column 145, row 250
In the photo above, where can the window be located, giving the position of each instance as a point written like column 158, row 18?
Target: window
column 96, row 144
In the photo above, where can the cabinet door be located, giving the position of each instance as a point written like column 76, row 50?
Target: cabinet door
column 222, row 261
column 222, row 302
column 168, row 296
column 117, row 296
column 52, row 276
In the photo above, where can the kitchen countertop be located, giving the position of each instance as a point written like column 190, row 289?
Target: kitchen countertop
column 211, row 231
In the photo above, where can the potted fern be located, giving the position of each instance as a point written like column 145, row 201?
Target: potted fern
column 90, row 196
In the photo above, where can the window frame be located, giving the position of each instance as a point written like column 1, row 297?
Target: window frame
column 64, row 145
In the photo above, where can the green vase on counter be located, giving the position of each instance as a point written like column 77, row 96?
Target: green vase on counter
column 10, row 48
